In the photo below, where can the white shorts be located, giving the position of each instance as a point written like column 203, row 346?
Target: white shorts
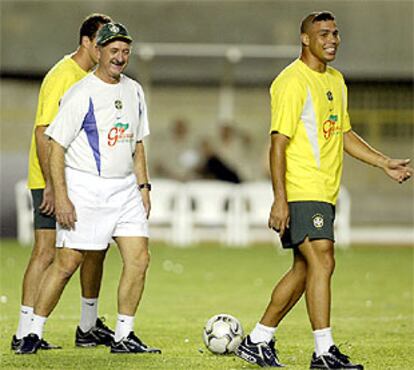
column 105, row 208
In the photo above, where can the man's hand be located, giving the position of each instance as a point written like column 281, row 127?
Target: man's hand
column 398, row 169
column 65, row 213
column 279, row 217
column 48, row 202
column 145, row 195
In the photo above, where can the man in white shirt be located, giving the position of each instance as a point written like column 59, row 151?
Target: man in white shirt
column 100, row 180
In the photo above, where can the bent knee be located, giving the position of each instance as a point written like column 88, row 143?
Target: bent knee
column 144, row 260
column 44, row 256
column 65, row 270
column 329, row 265
column 66, row 264
column 326, row 264
column 139, row 262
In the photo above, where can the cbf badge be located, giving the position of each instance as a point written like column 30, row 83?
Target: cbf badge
column 329, row 95
column 118, row 104
column 318, row 221
column 113, row 28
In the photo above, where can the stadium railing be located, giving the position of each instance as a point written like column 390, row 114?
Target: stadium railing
column 183, row 214
column 254, row 200
column 167, row 220
column 210, row 212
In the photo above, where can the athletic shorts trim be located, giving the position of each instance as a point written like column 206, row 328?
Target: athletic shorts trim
column 311, row 219
column 105, row 208
column 40, row 220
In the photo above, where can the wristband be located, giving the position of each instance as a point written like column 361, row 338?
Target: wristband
column 144, row 186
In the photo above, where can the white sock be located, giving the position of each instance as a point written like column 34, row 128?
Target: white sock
column 25, row 321
column 89, row 313
column 124, row 325
column 262, row 333
column 38, row 323
column 323, row 340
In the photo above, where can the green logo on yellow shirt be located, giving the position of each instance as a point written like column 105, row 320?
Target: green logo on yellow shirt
column 330, row 126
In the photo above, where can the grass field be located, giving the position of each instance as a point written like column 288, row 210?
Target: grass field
column 372, row 308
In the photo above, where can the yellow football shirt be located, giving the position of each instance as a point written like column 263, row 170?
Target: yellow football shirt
column 311, row 109
column 57, row 81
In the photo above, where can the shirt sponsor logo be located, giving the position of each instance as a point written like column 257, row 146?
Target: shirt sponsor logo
column 330, row 127
column 118, row 134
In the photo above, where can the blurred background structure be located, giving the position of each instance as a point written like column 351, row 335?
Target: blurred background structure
column 206, row 67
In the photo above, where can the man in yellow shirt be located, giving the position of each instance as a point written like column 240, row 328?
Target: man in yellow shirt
column 58, row 80
column 310, row 128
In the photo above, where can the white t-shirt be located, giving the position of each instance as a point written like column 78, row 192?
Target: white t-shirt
column 99, row 124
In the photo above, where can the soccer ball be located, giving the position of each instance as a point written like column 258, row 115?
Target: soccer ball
column 222, row 334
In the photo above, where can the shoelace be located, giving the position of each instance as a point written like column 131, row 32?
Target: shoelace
column 273, row 349
column 136, row 339
column 344, row 358
column 102, row 324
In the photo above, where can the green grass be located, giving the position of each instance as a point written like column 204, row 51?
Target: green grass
column 372, row 308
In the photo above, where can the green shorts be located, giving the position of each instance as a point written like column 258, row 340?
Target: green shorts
column 41, row 221
column 309, row 219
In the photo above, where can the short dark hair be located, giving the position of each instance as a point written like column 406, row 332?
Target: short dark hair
column 91, row 24
column 315, row 17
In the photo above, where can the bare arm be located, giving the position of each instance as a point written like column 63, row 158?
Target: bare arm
column 64, row 209
column 42, row 149
column 279, row 213
column 398, row 169
column 141, row 172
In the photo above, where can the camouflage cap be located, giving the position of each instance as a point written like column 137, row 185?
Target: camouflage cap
column 112, row 31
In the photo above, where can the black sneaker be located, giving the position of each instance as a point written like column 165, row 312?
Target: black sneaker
column 132, row 344
column 333, row 359
column 15, row 344
column 99, row 334
column 29, row 344
column 262, row 354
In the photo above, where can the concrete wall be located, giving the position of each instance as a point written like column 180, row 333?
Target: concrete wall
column 377, row 35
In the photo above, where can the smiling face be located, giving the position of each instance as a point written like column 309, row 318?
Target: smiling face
column 320, row 42
column 113, row 59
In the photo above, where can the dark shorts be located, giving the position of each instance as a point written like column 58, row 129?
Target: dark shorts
column 41, row 221
column 309, row 219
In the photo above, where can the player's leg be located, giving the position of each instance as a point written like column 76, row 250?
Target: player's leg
column 91, row 330
column 135, row 258
column 319, row 255
column 65, row 263
column 287, row 292
column 42, row 256
column 91, row 272
column 259, row 346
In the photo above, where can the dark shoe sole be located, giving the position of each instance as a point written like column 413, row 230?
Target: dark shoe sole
column 136, row 353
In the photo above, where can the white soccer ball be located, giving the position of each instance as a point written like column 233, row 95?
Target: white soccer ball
column 222, row 334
